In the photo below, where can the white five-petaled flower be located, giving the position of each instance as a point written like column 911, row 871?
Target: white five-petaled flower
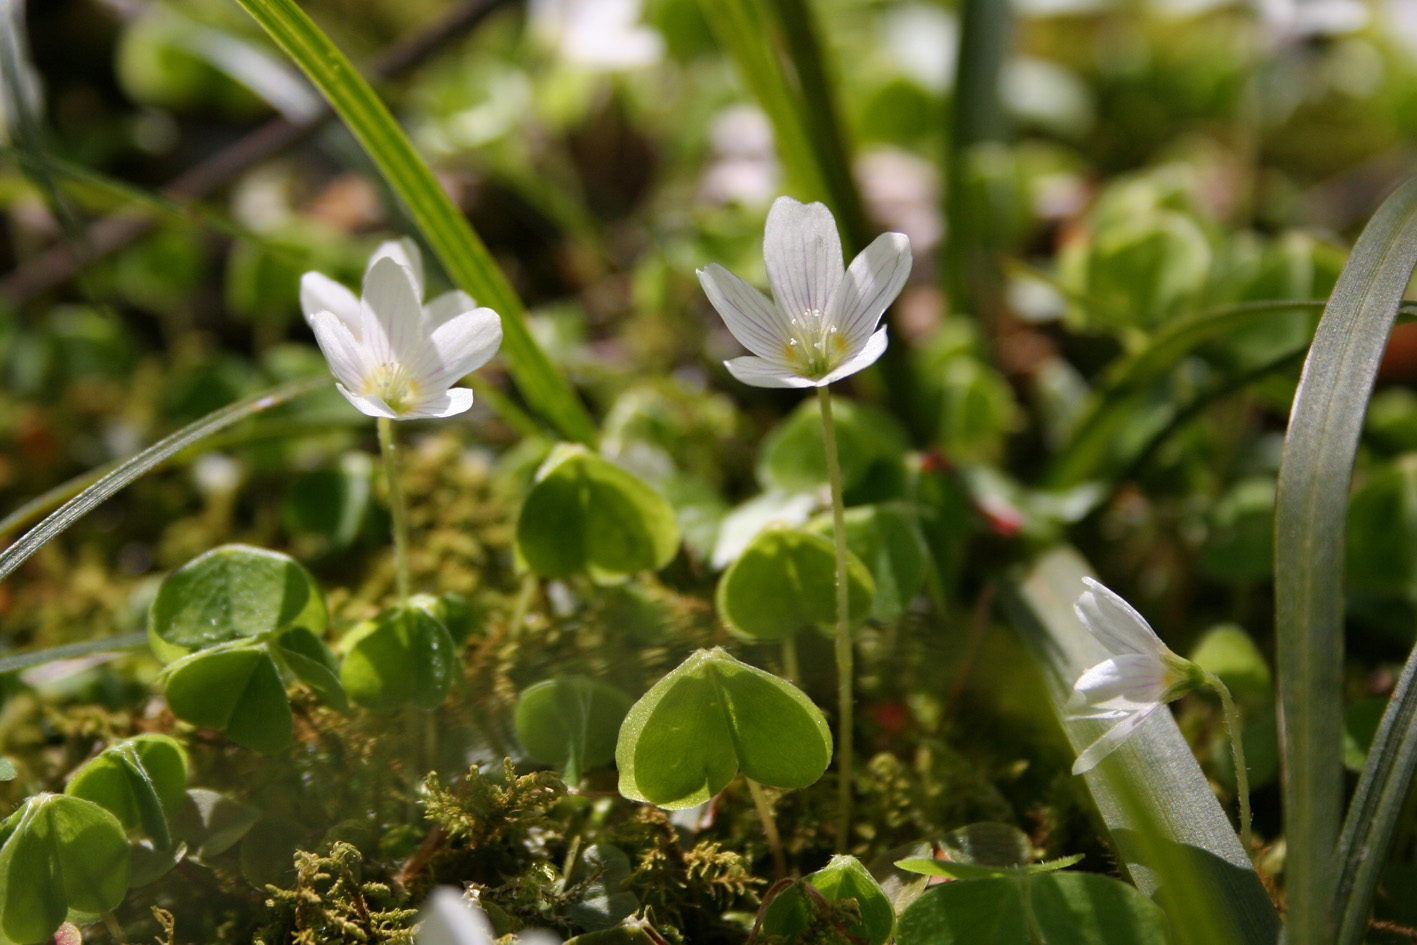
column 1141, row 674
column 392, row 355
column 821, row 323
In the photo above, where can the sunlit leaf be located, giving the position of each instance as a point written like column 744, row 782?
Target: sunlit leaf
column 686, row 738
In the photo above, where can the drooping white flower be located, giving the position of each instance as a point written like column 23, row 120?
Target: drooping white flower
column 392, row 355
column 1141, row 674
column 821, row 323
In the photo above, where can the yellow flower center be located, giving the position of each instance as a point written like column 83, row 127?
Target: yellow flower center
column 392, row 384
column 816, row 346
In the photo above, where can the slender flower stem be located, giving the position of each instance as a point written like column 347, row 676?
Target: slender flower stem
column 398, row 507
column 115, row 930
column 845, row 655
column 1237, row 747
column 760, row 801
column 790, row 667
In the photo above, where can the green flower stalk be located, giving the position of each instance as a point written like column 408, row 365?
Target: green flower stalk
column 820, row 326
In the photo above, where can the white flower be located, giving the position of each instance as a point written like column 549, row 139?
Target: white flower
column 1141, row 674
column 392, row 355
column 600, row 34
column 449, row 919
column 821, row 324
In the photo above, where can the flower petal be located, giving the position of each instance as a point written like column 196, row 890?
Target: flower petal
column 447, row 919
column 446, row 306
column 1123, row 683
column 1116, row 623
column 369, row 405
column 757, row 372
column 870, row 352
column 753, row 320
column 391, row 313
column 1111, row 740
column 406, row 253
column 320, row 293
column 445, row 404
column 460, row 346
column 803, row 254
column 875, row 278
column 348, row 360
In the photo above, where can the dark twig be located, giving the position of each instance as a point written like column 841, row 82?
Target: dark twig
column 58, row 264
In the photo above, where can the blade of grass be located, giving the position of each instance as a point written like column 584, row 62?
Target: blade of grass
column 971, row 266
column 1372, row 817
column 1088, row 449
column 744, row 30
column 1175, row 840
column 77, row 507
column 19, row 661
column 819, row 110
column 457, row 245
column 1311, row 518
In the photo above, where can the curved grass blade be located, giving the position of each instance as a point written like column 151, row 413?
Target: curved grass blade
column 1112, row 401
column 19, row 661
column 77, row 507
column 1176, row 842
column 458, row 247
column 1311, row 518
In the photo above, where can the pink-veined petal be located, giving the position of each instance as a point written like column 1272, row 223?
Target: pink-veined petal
column 1111, row 740
column 1116, row 623
column 461, row 345
column 802, row 251
column 446, row 306
column 368, row 404
column 347, row 358
column 757, row 372
column 320, row 293
column 443, row 404
column 752, row 319
column 391, row 314
column 869, row 354
column 874, row 279
column 406, row 253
